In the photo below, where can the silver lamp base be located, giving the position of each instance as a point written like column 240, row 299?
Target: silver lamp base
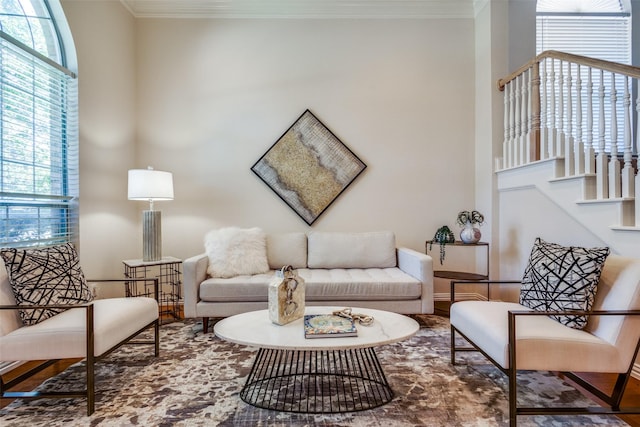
column 151, row 236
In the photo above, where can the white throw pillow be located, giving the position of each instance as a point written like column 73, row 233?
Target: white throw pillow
column 233, row 251
column 561, row 278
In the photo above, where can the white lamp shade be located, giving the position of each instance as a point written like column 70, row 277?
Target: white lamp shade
column 149, row 184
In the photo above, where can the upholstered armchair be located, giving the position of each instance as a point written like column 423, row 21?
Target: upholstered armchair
column 517, row 337
column 87, row 330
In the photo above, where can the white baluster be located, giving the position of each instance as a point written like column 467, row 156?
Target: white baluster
column 589, row 155
column 533, row 140
column 505, row 124
column 578, row 143
column 614, row 163
column 602, row 183
column 552, row 136
column 512, row 124
column 569, row 166
column 543, row 112
column 628, row 171
column 560, row 130
column 524, row 114
column 518, row 119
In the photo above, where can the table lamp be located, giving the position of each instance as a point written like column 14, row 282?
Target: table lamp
column 149, row 184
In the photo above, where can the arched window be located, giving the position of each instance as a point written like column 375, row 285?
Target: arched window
column 595, row 28
column 38, row 127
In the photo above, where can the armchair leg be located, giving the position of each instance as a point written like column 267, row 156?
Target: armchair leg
column 512, row 372
column 453, row 345
column 205, row 325
column 91, row 390
column 513, row 394
column 156, row 333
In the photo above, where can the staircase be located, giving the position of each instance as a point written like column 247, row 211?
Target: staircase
column 572, row 131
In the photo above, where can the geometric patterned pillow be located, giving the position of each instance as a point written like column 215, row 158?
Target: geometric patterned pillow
column 44, row 276
column 562, row 278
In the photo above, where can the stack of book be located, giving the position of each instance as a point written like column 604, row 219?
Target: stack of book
column 328, row 326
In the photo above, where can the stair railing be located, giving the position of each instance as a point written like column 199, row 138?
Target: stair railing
column 562, row 106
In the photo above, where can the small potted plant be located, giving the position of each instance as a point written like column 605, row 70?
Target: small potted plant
column 469, row 221
column 443, row 236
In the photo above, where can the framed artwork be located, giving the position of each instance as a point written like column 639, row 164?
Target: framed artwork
column 308, row 167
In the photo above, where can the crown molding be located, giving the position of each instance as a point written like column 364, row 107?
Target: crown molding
column 304, row 9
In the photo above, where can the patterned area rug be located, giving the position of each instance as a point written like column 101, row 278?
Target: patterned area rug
column 197, row 379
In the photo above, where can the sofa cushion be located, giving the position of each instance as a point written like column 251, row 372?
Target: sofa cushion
column 351, row 250
column 373, row 284
column 9, row 319
column 360, row 284
column 618, row 289
column 64, row 335
column 45, row 276
column 562, row 278
column 233, row 251
column 287, row 249
column 236, row 289
column 541, row 342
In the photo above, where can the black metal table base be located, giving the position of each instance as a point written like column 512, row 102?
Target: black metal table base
column 326, row 381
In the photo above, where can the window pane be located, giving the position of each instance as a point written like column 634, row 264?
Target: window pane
column 579, row 6
column 11, row 7
column 30, row 23
column 38, row 125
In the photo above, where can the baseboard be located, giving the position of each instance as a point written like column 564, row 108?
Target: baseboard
column 8, row 366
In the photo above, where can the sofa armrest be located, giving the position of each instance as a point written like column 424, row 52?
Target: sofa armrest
column 126, row 281
column 194, row 273
column 630, row 354
column 420, row 266
column 45, row 306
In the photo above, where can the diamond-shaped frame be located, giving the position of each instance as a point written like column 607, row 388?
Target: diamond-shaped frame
column 308, row 167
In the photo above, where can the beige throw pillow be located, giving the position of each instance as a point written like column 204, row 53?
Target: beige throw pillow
column 233, row 251
column 375, row 249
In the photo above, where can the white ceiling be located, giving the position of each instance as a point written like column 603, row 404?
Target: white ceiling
column 303, row 8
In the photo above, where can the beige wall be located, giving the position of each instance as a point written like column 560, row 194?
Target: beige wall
column 205, row 99
column 104, row 35
column 491, row 43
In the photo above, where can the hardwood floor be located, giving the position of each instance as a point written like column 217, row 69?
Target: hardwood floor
column 37, row 379
column 603, row 381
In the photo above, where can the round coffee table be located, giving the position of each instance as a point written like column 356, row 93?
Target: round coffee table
column 320, row 375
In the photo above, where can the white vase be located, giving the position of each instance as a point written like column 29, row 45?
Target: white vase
column 470, row 234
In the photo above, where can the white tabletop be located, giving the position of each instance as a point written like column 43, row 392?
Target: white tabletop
column 255, row 329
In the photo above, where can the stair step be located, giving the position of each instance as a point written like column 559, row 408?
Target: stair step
column 624, row 205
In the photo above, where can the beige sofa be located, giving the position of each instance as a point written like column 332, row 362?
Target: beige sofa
column 340, row 269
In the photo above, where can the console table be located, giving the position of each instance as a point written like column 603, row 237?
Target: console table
column 463, row 275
